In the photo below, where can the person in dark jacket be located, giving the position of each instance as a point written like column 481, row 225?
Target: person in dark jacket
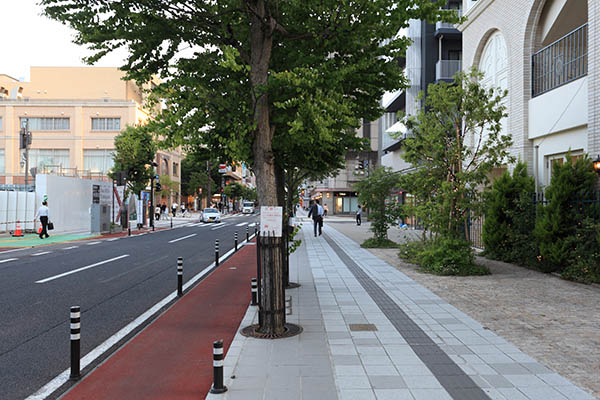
column 317, row 215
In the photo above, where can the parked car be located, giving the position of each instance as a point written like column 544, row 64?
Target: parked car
column 211, row 215
column 247, row 207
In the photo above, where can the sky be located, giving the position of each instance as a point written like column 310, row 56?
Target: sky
column 30, row 39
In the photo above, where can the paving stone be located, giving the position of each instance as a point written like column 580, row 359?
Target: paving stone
column 387, row 382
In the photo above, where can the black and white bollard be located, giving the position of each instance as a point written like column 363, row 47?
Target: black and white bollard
column 254, row 286
column 255, row 231
column 171, row 222
column 235, row 240
column 217, row 252
column 247, row 235
column 75, row 343
column 218, row 356
column 288, row 305
column 179, row 276
column 129, row 228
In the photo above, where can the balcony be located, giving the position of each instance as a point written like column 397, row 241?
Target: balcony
column 446, row 69
column 447, row 28
column 560, row 62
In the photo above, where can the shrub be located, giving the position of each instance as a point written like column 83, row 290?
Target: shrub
column 379, row 243
column 584, row 263
column 410, row 250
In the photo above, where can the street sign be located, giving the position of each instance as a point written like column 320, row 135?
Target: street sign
column 271, row 221
column 222, row 168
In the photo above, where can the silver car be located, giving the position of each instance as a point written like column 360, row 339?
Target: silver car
column 211, row 215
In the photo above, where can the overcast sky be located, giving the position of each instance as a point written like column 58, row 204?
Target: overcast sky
column 29, row 39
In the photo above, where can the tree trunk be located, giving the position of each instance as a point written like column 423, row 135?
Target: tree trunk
column 272, row 302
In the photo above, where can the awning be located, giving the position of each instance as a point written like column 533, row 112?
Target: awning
column 397, row 127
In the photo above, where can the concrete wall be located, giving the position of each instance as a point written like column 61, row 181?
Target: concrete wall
column 69, row 200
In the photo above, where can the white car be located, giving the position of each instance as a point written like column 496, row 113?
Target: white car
column 211, row 215
column 247, row 207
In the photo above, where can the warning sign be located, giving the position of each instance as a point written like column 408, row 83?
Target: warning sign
column 271, row 221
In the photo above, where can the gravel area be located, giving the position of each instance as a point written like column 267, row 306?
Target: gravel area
column 555, row 321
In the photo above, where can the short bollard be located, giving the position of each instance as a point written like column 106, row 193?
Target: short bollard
column 255, row 231
column 254, row 286
column 179, row 276
column 247, row 235
column 129, row 229
column 235, row 241
column 218, row 386
column 217, row 252
column 75, row 343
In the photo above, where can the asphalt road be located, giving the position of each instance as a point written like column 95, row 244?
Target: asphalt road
column 123, row 279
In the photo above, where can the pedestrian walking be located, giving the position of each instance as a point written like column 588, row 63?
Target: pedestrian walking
column 43, row 213
column 359, row 215
column 325, row 210
column 174, row 209
column 163, row 210
column 182, row 209
column 316, row 211
column 157, row 213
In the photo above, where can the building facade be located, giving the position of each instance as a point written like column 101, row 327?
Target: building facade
column 74, row 114
column 546, row 53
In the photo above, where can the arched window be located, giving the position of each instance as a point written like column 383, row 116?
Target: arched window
column 494, row 62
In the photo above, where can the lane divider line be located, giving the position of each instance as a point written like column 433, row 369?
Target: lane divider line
column 41, row 253
column 113, row 239
column 219, row 227
column 181, row 238
column 81, row 269
column 63, row 377
column 92, row 243
column 71, row 247
column 242, row 224
column 7, row 260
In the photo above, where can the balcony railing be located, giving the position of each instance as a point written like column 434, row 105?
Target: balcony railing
column 560, row 62
column 446, row 69
column 447, row 25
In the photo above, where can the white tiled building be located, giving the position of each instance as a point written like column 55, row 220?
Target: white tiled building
column 547, row 54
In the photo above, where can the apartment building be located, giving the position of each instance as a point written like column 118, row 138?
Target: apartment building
column 547, row 54
column 74, row 114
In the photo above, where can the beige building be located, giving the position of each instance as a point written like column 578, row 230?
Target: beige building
column 74, row 114
column 547, row 54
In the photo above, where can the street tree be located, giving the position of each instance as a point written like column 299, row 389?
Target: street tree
column 240, row 56
column 134, row 152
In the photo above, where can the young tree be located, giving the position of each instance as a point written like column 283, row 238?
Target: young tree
column 243, row 54
column 456, row 141
column 134, row 152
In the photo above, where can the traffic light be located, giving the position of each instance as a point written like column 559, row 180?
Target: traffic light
column 158, row 187
column 23, row 139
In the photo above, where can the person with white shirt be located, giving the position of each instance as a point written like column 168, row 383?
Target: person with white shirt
column 317, row 215
column 43, row 213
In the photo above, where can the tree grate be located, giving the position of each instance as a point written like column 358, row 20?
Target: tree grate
column 289, row 331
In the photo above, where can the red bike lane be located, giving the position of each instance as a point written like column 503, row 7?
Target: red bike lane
column 172, row 357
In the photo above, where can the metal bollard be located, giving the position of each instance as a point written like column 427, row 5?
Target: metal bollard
column 217, row 252
column 247, row 235
column 255, row 231
column 254, row 286
column 288, row 305
column 235, row 241
column 218, row 356
column 129, row 228
column 179, row 276
column 171, row 222
column 75, row 343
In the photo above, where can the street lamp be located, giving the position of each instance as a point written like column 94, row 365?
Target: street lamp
column 153, row 164
column 597, row 165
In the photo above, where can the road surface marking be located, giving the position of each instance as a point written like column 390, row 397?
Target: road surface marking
column 252, row 224
column 71, row 247
column 42, row 253
column 222, row 225
column 181, row 238
column 92, row 243
column 86, row 360
column 113, row 239
column 7, row 260
column 81, row 269
column 242, row 224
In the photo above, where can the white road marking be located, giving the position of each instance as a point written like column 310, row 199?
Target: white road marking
column 92, row 243
column 113, row 239
column 242, row 224
column 181, row 238
column 222, row 225
column 81, row 269
column 63, row 377
column 7, row 260
column 41, row 253
column 71, row 247
column 252, row 224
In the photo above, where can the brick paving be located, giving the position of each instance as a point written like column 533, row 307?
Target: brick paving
column 552, row 320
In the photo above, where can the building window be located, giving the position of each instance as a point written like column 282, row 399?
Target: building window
column 47, row 159
column 2, row 162
column 106, row 124
column 46, row 124
column 0, row 123
column 165, row 167
column 175, row 169
column 98, row 161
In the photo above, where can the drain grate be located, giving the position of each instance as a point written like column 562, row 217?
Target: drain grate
column 289, row 331
column 362, row 327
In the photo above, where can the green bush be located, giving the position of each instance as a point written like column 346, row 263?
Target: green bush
column 584, row 263
column 509, row 218
column 379, row 243
column 443, row 256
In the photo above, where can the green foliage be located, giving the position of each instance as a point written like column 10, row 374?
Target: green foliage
column 443, row 256
column 510, row 217
column 379, row 243
column 194, row 174
column 134, row 152
column 294, row 243
column 584, row 262
column 374, row 192
column 559, row 222
column 455, row 141
column 234, row 190
column 167, row 185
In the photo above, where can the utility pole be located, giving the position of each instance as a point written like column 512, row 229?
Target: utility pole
column 208, row 191
column 25, row 141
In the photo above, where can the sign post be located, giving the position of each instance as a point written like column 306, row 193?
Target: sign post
column 271, row 221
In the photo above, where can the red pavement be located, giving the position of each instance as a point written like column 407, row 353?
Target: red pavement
column 172, row 358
